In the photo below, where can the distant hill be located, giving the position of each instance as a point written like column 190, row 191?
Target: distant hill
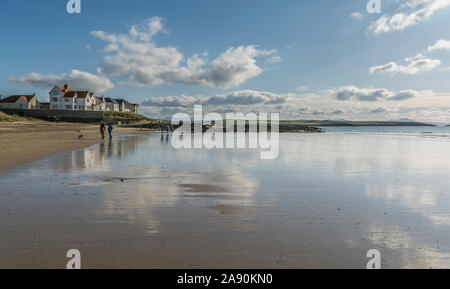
column 403, row 122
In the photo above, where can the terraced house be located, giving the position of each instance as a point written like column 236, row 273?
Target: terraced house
column 66, row 98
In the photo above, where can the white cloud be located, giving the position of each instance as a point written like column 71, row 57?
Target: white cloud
column 242, row 101
column 378, row 110
column 410, row 13
column 440, row 44
column 417, row 64
column 138, row 61
column 373, row 94
column 75, row 78
column 302, row 88
column 357, row 15
column 236, row 98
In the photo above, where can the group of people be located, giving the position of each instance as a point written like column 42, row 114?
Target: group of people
column 103, row 129
column 164, row 128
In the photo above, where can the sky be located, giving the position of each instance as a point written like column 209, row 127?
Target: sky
column 306, row 59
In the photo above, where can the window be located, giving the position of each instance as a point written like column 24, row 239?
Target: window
column 66, row 99
column 55, row 106
column 55, row 99
column 68, row 107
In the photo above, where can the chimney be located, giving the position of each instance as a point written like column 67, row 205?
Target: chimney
column 66, row 86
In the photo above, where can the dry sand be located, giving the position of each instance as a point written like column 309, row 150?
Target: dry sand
column 22, row 142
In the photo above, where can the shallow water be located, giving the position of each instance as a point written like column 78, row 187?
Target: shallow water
column 324, row 202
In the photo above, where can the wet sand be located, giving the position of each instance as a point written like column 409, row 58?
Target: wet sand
column 22, row 142
column 136, row 202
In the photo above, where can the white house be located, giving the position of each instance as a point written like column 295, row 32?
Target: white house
column 19, row 101
column 127, row 106
column 65, row 98
column 111, row 104
column 56, row 97
column 85, row 100
column 100, row 103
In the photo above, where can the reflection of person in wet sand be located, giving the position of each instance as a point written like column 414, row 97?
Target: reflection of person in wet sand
column 110, row 149
column 102, row 129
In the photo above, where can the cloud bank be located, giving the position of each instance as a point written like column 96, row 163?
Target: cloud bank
column 373, row 94
column 411, row 13
column 235, row 98
column 77, row 79
column 347, row 102
column 138, row 61
column 417, row 64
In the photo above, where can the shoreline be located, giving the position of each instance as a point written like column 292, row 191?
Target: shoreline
column 27, row 141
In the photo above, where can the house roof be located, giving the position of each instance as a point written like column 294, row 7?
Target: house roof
column 79, row 94
column 70, row 94
column 111, row 100
column 64, row 88
column 84, row 94
column 120, row 101
column 98, row 99
column 15, row 98
column 127, row 103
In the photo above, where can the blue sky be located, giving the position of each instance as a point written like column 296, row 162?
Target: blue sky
column 312, row 57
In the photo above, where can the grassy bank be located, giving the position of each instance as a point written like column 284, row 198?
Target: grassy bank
column 9, row 118
column 125, row 116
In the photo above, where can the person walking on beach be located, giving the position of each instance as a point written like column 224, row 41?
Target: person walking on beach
column 110, row 130
column 102, row 129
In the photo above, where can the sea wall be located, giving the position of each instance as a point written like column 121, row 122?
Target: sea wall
column 57, row 115
column 63, row 115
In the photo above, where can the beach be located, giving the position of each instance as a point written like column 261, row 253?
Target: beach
column 24, row 141
column 136, row 202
